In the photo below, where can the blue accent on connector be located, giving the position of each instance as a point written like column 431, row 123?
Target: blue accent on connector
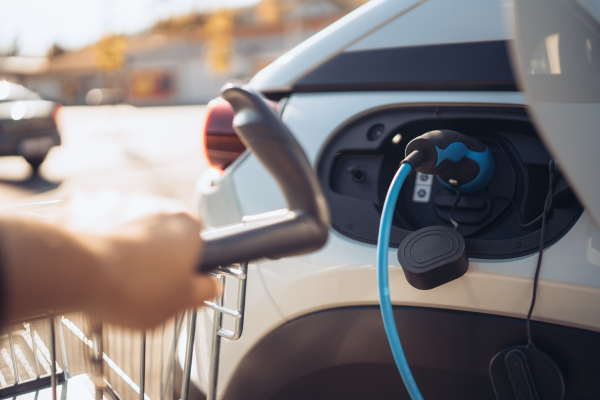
column 487, row 165
column 383, row 244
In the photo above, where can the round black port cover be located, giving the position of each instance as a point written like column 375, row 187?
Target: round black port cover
column 526, row 373
column 433, row 256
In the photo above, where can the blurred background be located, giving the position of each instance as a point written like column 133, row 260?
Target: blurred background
column 133, row 78
column 124, row 84
column 176, row 52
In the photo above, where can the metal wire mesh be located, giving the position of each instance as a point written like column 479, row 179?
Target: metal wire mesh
column 115, row 363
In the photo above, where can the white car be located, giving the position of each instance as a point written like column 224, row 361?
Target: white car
column 354, row 95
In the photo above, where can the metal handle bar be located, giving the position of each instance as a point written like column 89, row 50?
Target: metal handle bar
column 300, row 229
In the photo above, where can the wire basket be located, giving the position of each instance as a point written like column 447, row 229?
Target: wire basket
column 71, row 356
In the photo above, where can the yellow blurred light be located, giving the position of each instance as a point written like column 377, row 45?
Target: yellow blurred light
column 109, row 53
column 269, row 11
column 219, row 30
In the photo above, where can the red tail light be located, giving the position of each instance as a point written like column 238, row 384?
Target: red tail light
column 221, row 143
column 220, row 140
column 55, row 112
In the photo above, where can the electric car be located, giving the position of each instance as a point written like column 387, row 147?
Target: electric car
column 523, row 79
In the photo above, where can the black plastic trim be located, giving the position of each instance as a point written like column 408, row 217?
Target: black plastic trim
column 343, row 353
column 475, row 66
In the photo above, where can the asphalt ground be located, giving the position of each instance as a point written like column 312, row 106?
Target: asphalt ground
column 154, row 151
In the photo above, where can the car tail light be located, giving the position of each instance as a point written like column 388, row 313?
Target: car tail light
column 221, row 143
column 55, row 112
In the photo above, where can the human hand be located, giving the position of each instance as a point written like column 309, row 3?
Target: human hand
column 129, row 260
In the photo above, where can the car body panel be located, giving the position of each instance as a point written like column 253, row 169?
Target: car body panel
column 280, row 75
column 386, row 24
column 344, row 274
column 346, row 264
column 429, row 24
column 216, row 202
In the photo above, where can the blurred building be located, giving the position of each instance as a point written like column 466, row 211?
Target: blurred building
column 182, row 60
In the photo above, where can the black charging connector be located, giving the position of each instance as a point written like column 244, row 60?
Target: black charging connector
column 415, row 159
column 435, row 255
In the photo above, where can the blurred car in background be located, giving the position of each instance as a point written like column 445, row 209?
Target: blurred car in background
column 27, row 124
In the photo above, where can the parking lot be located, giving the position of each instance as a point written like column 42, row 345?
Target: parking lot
column 154, row 150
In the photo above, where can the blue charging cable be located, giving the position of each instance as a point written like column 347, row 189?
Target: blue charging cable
column 383, row 243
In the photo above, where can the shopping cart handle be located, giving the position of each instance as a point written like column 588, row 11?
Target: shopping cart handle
column 304, row 226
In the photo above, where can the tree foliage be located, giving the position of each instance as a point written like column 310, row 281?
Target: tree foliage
column 109, row 53
column 219, row 32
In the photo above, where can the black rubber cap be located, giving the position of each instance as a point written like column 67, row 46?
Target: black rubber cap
column 433, row 256
column 526, row 373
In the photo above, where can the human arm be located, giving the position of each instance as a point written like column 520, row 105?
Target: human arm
column 134, row 272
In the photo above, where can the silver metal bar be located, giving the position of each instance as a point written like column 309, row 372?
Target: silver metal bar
column 233, row 272
column 52, row 356
column 84, row 346
column 166, row 376
column 151, row 362
column 174, row 359
column 213, row 374
column 241, row 303
column 34, row 349
column 223, row 310
column 123, row 356
column 63, row 350
column 143, row 365
column 13, row 355
column 131, row 341
column 189, row 351
column 33, row 205
column 162, row 354
column 97, row 358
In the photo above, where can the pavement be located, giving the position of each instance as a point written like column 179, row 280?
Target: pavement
column 155, row 151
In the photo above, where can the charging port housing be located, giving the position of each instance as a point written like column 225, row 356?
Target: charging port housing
column 487, row 219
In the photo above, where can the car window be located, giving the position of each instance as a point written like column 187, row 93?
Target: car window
column 11, row 92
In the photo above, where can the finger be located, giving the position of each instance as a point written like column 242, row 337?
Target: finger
column 138, row 206
column 204, row 288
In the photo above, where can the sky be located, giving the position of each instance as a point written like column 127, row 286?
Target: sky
column 38, row 24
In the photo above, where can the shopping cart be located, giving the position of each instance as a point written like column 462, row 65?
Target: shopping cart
column 300, row 228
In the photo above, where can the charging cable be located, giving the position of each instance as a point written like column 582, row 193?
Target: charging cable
column 383, row 244
column 469, row 165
